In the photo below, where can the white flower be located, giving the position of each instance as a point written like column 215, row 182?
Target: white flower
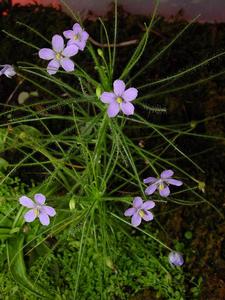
column 7, row 70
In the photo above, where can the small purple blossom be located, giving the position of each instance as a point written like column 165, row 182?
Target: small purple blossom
column 7, row 70
column 77, row 36
column 162, row 183
column 59, row 55
column 119, row 99
column 38, row 209
column 140, row 211
column 176, row 258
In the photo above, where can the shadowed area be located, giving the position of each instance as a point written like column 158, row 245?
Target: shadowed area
column 209, row 10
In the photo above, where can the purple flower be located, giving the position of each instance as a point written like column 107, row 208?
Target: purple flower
column 77, row 36
column 176, row 259
column 162, row 183
column 58, row 55
column 140, row 211
column 38, row 209
column 119, row 99
column 7, row 70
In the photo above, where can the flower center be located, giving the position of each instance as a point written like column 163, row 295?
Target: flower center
column 161, row 186
column 119, row 100
column 37, row 210
column 58, row 56
column 141, row 213
column 76, row 37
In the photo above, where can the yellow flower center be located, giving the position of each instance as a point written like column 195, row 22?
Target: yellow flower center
column 161, row 186
column 76, row 37
column 141, row 213
column 119, row 100
column 58, row 56
column 36, row 211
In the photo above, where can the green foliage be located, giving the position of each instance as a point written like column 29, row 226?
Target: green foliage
column 129, row 269
column 9, row 193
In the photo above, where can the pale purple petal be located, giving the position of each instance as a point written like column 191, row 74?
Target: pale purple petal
column 148, row 216
column 107, row 97
column 69, row 34
column 2, row 71
column 148, row 205
column 150, row 180
column 136, row 220
column 130, row 94
column 30, row 215
column 27, row 202
column 175, row 258
column 84, row 35
column 53, row 67
column 67, row 64
column 166, row 174
column 57, row 43
column 44, row 218
column 151, row 189
column 174, row 182
column 7, row 70
column 113, row 109
column 137, row 203
column 48, row 210
column 40, row 199
column 77, row 28
column 118, row 87
column 46, row 53
column 127, row 108
column 164, row 192
column 70, row 51
column 80, row 44
column 129, row 212
column 71, row 42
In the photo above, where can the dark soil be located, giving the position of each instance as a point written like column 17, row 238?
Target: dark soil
column 207, row 246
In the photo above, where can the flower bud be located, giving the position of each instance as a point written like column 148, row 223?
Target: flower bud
column 72, row 204
column 176, row 259
column 98, row 91
column 201, row 186
column 109, row 263
column 100, row 52
column 193, row 124
column 7, row 70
